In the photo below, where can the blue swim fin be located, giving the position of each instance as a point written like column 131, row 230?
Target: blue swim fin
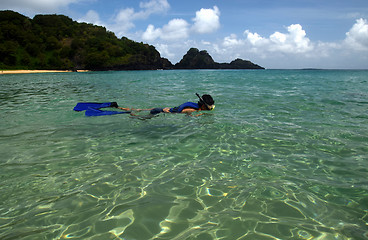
column 93, row 109
column 85, row 106
column 92, row 112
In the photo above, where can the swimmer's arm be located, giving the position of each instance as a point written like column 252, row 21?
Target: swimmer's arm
column 125, row 109
column 134, row 109
column 189, row 111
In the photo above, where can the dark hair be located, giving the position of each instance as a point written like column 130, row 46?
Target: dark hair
column 207, row 99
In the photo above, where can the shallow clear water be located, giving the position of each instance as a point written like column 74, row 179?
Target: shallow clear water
column 283, row 156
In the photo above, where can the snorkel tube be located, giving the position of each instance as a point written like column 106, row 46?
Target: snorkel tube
column 209, row 107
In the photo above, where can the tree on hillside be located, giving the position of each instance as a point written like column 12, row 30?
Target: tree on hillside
column 58, row 42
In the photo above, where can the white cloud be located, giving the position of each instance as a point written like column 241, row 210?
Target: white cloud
column 294, row 49
column 36, row 6
column 291, row 44
column 125, row 15
column 164, row 50
column 254, row 38
column 154, row 7
column 232, row 41
column 357, row 37
column 147, row 9
column 123, row 21
column 207, row 20
column 295, row 41
column 151, row 33
column 91, row 17
column 176, row 29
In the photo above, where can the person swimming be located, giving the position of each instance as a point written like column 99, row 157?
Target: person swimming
column 205, row 103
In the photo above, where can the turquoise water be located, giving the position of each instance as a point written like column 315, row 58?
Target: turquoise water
column 283, row 156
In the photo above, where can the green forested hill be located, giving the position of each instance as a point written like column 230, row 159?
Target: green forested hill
column 57, row 42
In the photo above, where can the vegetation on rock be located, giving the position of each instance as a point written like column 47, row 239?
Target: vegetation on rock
column 57, row 42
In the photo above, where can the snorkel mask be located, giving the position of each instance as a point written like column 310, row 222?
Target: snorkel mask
column 209, row 107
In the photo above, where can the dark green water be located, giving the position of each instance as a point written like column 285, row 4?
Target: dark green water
column 283, row 156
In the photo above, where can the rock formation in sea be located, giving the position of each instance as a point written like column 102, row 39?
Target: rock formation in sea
column 195, row 59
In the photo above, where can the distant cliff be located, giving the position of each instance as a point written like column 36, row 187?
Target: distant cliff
column 195, row 59
column 59, row 43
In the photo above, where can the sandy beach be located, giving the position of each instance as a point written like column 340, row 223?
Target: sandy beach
column 36, row 71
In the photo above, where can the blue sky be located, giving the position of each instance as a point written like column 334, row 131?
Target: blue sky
column 271, row 33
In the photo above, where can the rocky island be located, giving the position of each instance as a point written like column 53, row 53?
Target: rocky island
column 195, row 59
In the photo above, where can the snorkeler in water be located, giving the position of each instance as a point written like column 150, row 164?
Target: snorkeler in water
column 205, row 103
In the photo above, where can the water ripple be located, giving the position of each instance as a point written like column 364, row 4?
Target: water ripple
column 283, row 156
